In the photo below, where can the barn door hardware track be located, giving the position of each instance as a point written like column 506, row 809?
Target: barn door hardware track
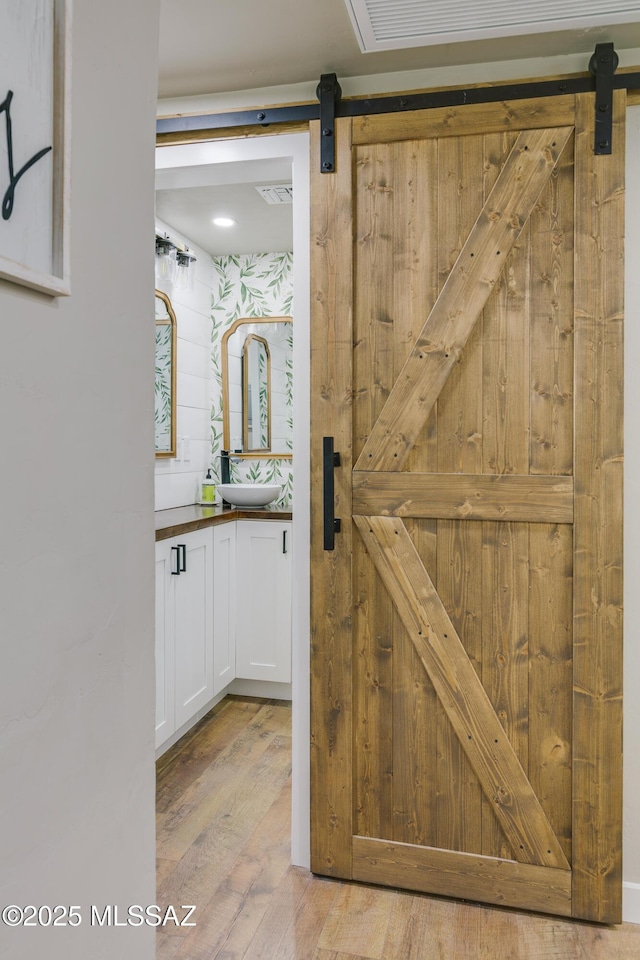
column 602, row 80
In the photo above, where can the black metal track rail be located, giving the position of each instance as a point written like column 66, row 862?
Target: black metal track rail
column 302, row 113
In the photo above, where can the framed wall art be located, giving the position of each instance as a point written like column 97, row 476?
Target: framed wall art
column 35, row 73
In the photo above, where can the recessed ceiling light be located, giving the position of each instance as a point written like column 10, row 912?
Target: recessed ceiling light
column 224, row 222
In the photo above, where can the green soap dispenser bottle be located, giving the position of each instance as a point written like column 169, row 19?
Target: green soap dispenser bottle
column 208, row 489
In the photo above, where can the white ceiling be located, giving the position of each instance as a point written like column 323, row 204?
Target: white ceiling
column 189, row 198
column 259, row 227
column 215, row 46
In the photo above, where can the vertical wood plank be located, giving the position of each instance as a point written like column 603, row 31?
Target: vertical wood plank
column 551, row 673
column 415, row 278
column 505, row 450
column 331, row 589
column 459, row 438
column 374, row 656
column 375, row 344
column 505, row 589
column 460, row 797
column 551, row 453
column 415, row 288
column 459, row 406
column 414, row 723
column 395, row 288
column 505, row 387
column 551, row 323
column 599, row 288
column 373, row 302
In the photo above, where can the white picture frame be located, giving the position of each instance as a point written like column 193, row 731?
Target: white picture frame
column 35, row 137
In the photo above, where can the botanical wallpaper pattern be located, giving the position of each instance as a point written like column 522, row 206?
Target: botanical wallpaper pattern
column 249, row 285
column 263, row 399
column 163, row 386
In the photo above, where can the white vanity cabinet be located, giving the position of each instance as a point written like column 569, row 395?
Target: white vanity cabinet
column 263, row 628
column 165, row 685
column 184, row 629
column 223, row 611
column 224, row 605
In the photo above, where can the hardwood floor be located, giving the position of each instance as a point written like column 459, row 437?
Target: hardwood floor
column 223, row 816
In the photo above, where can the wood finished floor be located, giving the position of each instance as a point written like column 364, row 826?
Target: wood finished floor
column 223, row 818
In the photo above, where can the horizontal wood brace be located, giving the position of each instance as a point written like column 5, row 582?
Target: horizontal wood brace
column 452, row 874
column 459, row 496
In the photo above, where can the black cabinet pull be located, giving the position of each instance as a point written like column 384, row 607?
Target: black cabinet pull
column 330, row 460
column 182, row 561
column 176, row 572
column 284, row 541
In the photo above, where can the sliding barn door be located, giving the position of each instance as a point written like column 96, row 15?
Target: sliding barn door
column 467, row 280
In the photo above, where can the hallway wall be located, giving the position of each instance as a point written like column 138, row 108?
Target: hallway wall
column 76, row 515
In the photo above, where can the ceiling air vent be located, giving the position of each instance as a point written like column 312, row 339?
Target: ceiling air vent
column 393, row 24
column 276, row 193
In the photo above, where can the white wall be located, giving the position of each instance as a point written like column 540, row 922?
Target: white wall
column 76, row 524
column 296, row 146
column 177, row 481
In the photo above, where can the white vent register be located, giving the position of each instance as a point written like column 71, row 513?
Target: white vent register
column 276, row 193
column 393, row 24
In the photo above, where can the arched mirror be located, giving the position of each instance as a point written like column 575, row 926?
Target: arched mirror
column 256, row 394
column 165, row 381
column 257, row 387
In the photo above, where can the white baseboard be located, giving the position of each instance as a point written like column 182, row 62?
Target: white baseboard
column 260, row 688
column 630, row 902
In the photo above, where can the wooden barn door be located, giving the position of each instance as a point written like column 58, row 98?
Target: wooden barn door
column 467, row 273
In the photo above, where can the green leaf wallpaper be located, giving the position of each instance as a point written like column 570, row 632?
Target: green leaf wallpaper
column 249, row 285
column 163, row 387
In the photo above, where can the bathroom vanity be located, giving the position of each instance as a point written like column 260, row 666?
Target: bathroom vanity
column 223, row 610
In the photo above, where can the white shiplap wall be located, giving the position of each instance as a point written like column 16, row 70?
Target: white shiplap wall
column 177, row 481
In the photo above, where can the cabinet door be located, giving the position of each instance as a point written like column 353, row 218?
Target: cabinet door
column 263, row 637
column 165, row 700
column 224, row 605
column 193, row 624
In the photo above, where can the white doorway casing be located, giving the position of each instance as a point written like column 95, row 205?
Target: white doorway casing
column 172, row 159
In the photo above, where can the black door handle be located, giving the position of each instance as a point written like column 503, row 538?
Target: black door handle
column 176, row 572
column 332, row 524
column 182, row 558
column 284, row 541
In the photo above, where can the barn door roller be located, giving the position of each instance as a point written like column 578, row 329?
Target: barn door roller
column 603, row 65
column 328, row 93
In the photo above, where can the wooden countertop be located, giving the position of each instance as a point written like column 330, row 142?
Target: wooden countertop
column 179, row 520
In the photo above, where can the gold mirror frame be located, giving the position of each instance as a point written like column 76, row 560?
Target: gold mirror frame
column 226, row 430
column 246, row 380
column 170, row 320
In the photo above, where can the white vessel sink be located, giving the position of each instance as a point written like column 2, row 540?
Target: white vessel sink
column 249, row 494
